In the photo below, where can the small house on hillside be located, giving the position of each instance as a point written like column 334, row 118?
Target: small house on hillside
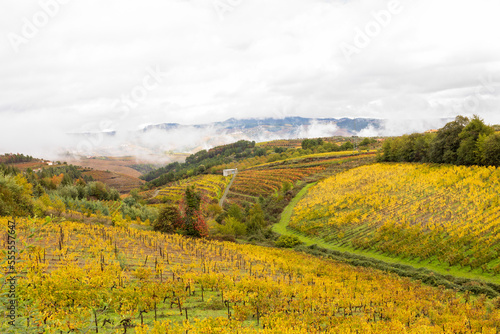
column 227, row 172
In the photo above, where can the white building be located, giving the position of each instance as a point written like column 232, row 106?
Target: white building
column 227, row 172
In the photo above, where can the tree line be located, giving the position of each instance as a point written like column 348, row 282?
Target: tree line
column 10, row 158
column 462, row 141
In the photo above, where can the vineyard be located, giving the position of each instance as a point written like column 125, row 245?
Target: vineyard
column 287, row 143
column 267, row 179
column 449, row 214
column 121, row 182
column 74, row 277
column 211, row 187
column 317, row 158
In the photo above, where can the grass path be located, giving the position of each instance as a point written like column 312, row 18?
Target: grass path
column 282, row 228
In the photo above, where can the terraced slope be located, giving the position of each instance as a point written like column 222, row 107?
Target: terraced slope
column 211, row 188
column 443, row 213
column 267, row 179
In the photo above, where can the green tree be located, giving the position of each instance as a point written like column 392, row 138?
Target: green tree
column 193, row 200
column 66, row 181
column 468, row 152
column 235, row 212
column 447, row 141
column 306, row 143
column 365, row 142
column 422, row 146
column 232, row 226
column 491, row 150
column 194, row 224
column 168, row 220
column 256, row 220
column 346, row 146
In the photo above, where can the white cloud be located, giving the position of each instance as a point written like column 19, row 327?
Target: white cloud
column 265, row 59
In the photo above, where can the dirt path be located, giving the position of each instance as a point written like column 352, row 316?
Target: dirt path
column 223, row 198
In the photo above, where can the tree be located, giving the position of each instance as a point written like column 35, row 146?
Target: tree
column 232, row 226
column 168, row 220
column 422, row 145
column 468, row 152
column 194, row 224
column 235, row 212
column 311, row 143
column 201, row 169
column 447, row 141
column 346, row 146
column 66, row 180
column 256, row 220
column 15, row 196
column 193, row 200
column 59, row 206
column 491, row 150
column 365, row 142
column 279, row 150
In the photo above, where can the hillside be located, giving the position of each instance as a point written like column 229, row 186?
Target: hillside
column 121, row 182
column 446, row 215
column 123, row 280
column 210, row 187
column 268, row 179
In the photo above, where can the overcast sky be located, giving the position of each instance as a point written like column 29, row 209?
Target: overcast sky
column 69, row 65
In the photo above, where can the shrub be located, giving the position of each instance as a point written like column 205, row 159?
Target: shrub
column 232, row 227
column 287, row 241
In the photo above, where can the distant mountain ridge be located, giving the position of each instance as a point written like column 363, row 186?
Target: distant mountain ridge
column 289, row 126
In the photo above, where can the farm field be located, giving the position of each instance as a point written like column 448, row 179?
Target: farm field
column 211, row 188
column 77, row 277
column 121, row 182
column 267, row 179
column 327, row 157
column 444, row 214
column 122, row 165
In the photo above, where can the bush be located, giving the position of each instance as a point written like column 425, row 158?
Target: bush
column 102, row 192
column 69, row 191
column 232, row 226
column 287, row 241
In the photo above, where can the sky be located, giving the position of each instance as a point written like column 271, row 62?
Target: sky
column 83, row 66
